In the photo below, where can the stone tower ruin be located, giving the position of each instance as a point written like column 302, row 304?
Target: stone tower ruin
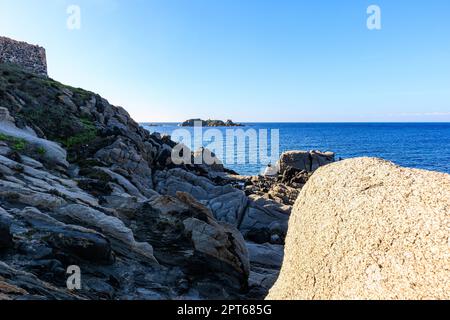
column 32, row 58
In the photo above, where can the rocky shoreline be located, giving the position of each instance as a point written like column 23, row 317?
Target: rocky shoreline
column 82, row 184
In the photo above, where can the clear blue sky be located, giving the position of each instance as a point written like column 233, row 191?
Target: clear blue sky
column 248, row 60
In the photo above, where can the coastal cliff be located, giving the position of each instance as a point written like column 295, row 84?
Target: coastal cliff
column 367, row 229
column 82, row 184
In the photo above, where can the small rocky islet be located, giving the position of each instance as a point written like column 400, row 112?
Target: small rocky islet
column 209, row 123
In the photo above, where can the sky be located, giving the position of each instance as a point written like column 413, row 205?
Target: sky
column 248, row 60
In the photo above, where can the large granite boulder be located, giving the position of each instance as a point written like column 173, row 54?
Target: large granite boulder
column 367, row 229
column 308, row 161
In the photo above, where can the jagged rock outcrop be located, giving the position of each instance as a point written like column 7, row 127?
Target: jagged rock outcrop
column 82, row 184
column 265, row 221
column 308, row 161
column 226, row 202
column 367, row 229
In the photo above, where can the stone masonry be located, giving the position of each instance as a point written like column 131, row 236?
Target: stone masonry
column 30, row 57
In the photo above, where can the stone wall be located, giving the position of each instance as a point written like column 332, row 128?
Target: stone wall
column 30, row 57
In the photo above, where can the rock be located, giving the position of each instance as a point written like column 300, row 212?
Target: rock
column 266, row 255
column 38, row 188
column 209, row 123
column 124, row 157
column 83, row 243
column 320, row 159
column 16, row 284
column 367, row 229
column 227, row 203
column 304, row 160
column 270, row 171
column 260, row 215
column 5, row 116
column 6, row 239
column 260, row 282
column 72, row 240
column 293, row 176
column 206, row 157
column 17, row 193
column 121, row 237
column 49, row 151
column 283, row 194
column 265, row 260
column 184, row 233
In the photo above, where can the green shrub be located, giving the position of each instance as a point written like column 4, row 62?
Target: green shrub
column 17, row 144
column 41, row 151
column 88, row 134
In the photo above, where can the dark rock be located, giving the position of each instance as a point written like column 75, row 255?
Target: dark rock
column 24, row 285
column 259, row 235
column 294, row 176
column 185, row 233
column 6, row 238
column 308, row 161
column 87, row 245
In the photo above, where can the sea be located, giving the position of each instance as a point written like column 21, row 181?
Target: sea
column 414, row 145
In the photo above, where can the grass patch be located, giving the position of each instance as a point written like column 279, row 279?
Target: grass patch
column 41, row 151
column 17, row 144
column 88, row 134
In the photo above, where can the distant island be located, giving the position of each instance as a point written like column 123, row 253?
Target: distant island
column 210, row 123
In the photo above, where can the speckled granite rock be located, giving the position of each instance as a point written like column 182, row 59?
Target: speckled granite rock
column 367, row 229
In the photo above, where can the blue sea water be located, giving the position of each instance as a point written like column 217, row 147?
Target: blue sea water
column 415, row 145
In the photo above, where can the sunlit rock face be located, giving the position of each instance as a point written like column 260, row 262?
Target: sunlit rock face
column 367, row 229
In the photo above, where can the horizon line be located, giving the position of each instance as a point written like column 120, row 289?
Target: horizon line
column 305, row 122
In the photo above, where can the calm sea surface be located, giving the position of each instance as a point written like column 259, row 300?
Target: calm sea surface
column 416, row 145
